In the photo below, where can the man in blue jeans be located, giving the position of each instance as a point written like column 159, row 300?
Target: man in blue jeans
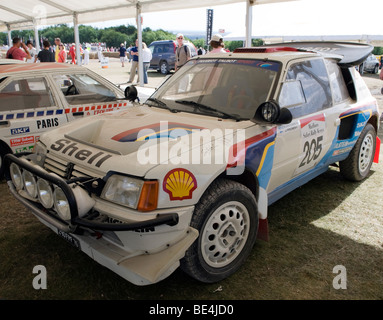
column 134, row 69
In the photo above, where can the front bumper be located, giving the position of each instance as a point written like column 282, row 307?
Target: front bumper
column 138, row 256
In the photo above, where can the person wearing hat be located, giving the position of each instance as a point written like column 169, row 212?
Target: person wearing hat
column 217, row 44
column 182, row 52
column 122, row 51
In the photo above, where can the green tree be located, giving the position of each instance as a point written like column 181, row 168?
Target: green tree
column 113, row 38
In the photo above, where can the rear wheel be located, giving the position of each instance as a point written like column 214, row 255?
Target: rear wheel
column 376, row 69
column 227, row 220
column 164, row 68
column 358, row 164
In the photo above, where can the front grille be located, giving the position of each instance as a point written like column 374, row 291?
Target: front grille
column 65, row 169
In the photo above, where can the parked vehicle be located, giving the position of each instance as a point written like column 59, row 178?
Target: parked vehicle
column 186, row 178
column 37, row 97
column 164, row 55
column 371, row 65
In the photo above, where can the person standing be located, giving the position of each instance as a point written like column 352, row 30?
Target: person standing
column 134, row 68
column 16, row 53
column 146, row 57
column 217, row 44
column 32, row 51
column 72, row 52
column 46, row 55
column 182, row 52
column 62, row 54
column 86, row 55
column 122, row 51
column 56, row 48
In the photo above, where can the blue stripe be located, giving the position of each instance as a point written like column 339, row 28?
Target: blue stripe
column 59, row 111
column 20, row 115
column 10, row 116
column 40, row 113
column 30, row 114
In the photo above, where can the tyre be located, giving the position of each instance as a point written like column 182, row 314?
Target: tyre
column 376, row 69
column 358, row 164
column 227, row 220
column 164, row 68
column 3, row 152
column 361, row 69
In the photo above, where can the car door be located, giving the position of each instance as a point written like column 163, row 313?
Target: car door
column 86, row 94
column 27, row 109
column 301, row 145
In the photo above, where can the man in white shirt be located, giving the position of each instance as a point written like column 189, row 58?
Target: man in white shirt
column 32, row 51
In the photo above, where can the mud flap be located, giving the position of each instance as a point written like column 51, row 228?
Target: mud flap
column 263, row 230
column 377, row 150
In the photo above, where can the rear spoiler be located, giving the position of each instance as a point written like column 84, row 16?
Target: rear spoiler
column 352, row 54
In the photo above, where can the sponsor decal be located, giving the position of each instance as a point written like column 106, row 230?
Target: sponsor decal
column 21, row 130
column 179, row 184
column 21, row 141
column 73, row 149
column 47, row 123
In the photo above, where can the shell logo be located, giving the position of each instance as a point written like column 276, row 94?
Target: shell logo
column 179, row 184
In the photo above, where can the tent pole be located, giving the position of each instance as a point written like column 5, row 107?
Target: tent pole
column 249, row 21
column 76, row 38
column 139, row 35
column 37, row 45
column 9, row 36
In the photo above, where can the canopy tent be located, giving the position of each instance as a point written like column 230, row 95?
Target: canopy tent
column 31, row 14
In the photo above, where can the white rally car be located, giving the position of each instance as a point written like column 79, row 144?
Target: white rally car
column 186, row 178
column 37, row 97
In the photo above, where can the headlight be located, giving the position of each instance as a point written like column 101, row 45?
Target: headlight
column 45, row 193
column 61, row 204
column 16, row 176
column 30, row 183
column 123, row 190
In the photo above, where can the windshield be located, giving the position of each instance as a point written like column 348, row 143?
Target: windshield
column 219, row 87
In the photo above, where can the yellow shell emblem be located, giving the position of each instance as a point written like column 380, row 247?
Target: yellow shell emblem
column 179, row 184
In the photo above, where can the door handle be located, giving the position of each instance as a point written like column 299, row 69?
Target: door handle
column 76, row 114
column 4, row 123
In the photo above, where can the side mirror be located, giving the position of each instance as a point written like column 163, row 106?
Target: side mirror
column 270, row 112
column 131, row 93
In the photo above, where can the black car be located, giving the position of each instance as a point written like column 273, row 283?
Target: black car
column 164, row 55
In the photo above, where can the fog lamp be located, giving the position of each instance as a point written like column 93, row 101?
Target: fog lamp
column 45, row 193
column 30, row 184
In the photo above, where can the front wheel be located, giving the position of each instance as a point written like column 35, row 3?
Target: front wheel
column 227, row 220
column 358, row 164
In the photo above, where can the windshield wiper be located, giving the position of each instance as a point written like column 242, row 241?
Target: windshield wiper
column 162, row 104
column 205, row 107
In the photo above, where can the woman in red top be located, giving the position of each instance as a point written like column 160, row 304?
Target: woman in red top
column 62, row 54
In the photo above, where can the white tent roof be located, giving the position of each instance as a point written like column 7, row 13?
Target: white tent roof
column 26, row 14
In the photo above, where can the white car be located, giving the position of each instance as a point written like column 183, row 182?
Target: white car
column 37, row 97
column 186, row 178
column 371, row 64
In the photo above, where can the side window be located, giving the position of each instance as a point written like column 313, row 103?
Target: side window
column 338, row 85
column 83, row 89
column 25, row 94
column 313, row 79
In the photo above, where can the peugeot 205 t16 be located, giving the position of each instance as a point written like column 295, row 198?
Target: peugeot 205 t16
column 186, row 178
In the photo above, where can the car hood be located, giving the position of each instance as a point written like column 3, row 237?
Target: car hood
column 124, row 137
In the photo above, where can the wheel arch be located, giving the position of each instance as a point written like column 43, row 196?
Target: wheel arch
column 250, row 180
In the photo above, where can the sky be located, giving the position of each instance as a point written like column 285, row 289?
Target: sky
column 303, row 17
